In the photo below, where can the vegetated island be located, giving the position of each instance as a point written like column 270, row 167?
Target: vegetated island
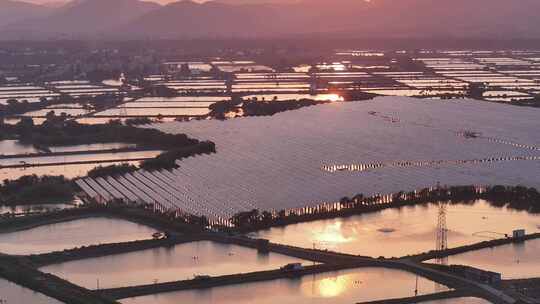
column 59, row 132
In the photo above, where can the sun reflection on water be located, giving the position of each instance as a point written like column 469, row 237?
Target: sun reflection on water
column 334, row 234
column 330, row 97
column 332, row 287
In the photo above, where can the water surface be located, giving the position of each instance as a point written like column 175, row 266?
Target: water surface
column 93, row 147
column 344, row 287
column 69, row 171
column 513, row 261
column 67, row 235
column 11, row 293
column 180, row 262
column 409, row 230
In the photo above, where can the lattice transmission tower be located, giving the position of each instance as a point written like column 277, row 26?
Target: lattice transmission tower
column 442, row 233
column 123, row 111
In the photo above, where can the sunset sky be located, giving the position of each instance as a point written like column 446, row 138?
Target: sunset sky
column 56, row 1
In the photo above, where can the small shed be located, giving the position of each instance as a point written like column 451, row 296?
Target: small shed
column 518, row 233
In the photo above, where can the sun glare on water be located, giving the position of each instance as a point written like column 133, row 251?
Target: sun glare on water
column 331, row 235
column 332, row 287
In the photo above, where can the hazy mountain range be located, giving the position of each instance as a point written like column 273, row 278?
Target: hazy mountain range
column 270, row 18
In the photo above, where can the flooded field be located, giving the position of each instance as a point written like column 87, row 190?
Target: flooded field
column 13, row 293
column 399, row 232
column 57, row 111
column 514, row 261
column 184, row 99
column 82, row 88
column 168, row 104
column 66, row 235
column 283, row 97
column 26, row 92
column 352, row 286
column 180, row 262
column 148, row 112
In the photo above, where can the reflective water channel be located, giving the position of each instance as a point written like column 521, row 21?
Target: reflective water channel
column 67, row 235
column 351, row 286
column 91, row 157
column 409, row 230
column 181, row 262
column 13, row 293
column 69, row 171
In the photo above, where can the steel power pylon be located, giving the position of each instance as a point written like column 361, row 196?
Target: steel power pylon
column 123, row 110
column 442, row 233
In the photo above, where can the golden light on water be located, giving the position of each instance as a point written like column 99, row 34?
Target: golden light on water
column 332, row 234
column 328, row 287
column 330, row 97
column 332, row 287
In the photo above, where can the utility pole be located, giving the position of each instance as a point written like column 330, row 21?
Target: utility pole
column 416, row 288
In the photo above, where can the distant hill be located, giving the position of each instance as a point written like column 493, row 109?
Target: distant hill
column 244, row 2
column 82, row 18
column 129, row 19
column 15, row 11
column 379, row 18
column 49, row 3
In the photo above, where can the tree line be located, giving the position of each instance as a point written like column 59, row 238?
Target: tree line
column 513, row 197
column 68, row 133
column 33, row 189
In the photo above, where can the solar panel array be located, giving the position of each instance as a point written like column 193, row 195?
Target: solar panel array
column 278, row 162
